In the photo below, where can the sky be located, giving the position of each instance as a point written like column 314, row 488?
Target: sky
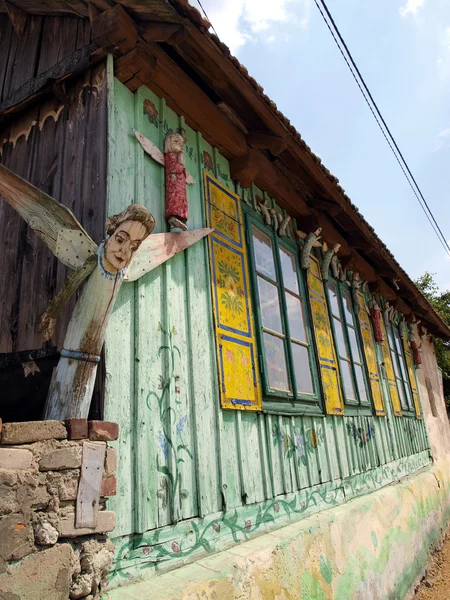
column 402, row 49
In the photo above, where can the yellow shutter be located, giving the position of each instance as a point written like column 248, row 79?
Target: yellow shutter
column 392, row 382
column 411, row 372
column 371, row 357
column 237, row 354
column 328, row 366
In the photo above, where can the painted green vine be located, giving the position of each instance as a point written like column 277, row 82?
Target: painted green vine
column 169, row 418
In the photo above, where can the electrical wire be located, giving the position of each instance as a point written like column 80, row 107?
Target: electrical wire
column 206, row 17
column 347, row 56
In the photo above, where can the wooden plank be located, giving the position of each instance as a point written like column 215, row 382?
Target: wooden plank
column 120, row 389
column 202, row 359
column 89, row 488
column 152, row 492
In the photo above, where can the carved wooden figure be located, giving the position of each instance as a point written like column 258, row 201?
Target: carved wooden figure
column 128, row 253
column 312, row 240
column 176, row 176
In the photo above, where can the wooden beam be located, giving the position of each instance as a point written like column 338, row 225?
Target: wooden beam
column 263, row 141
column 160, row 31
column 245, row 168
column 17, row 16
column 115, row 31
column 135, row 68
column 327, row 206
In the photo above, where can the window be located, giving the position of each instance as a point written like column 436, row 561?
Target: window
column 348, row 346
column 400, row 368
column 286, row 352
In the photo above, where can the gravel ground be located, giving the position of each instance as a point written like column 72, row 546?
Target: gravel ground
column 436, row 585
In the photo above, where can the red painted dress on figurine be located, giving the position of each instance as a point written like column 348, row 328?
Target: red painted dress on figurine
column 176, row 194
column 375, row 314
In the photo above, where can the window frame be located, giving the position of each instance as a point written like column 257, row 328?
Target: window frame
column 406, row 385
column 352, row 406
column 278, row 401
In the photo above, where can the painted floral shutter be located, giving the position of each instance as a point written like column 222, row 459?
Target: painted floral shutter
column 411, row 372
column 371, row 357
column 395, row 399
column 328, row 366
column 237, row 354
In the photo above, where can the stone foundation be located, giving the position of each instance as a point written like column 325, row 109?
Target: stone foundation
column 44, row 553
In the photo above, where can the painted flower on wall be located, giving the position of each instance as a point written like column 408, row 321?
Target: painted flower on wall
column 207, row 160
column 151, row 112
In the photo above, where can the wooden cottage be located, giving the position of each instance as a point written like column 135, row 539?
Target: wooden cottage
column 268, row 372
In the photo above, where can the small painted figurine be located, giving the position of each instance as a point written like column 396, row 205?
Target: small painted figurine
column 176, row 207
column 176, row 176
column 375, row 315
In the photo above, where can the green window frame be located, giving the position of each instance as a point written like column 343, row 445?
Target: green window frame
column 349, row 347
column 287, row 356
column 395, row 343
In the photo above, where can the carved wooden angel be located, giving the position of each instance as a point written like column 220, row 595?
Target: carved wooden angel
column 176, row 176
column 128, row 253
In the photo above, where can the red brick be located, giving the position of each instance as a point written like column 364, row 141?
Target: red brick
column 103, row 431
column 109, row 486
column 77, row 429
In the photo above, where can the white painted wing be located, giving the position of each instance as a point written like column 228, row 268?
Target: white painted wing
column 53, row 223
column 158, row 248
column 153, row 151
column 150, row 147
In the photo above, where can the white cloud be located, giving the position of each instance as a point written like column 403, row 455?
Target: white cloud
column 240, row 21
column 442, row 140
column 411, row 7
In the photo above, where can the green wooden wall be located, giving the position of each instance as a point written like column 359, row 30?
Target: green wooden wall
column 191, row 477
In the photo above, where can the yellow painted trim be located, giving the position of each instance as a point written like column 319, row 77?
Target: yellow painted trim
column 328, row 366
column 411, row 373
column 237, row 350
column 371, row 357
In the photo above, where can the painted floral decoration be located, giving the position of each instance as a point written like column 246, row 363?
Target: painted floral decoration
column 207, row 160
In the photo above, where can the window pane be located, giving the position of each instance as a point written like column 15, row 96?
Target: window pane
column 390, row 338
column 347, row 380
column 263, row 254
column 288, row 268
column 342, row 346
column 296, row 321
column 354, row 344
column 360, row 383
column 302, row 370
column 334, row 300
column 270, row 305
column 348, row 309
column 401, row 393
column 395, row 363
column 276, row 362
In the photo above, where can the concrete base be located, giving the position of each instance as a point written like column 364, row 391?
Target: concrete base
column 375, row 547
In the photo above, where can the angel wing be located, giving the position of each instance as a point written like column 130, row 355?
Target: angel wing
column 53, row 223
column 153, row 151
column 158, row 248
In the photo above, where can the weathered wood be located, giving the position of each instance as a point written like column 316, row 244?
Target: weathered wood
column 263, row 141
column 135, row 68
column 115, row 31
column 17, row 16
column 160, row 31
column 245, row 169
column 89, row 487
column 79, row 61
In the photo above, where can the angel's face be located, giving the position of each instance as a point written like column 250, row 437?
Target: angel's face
column 176, row 143
column 123, row 242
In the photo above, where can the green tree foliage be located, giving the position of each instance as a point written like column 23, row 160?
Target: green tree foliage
column 440, row 301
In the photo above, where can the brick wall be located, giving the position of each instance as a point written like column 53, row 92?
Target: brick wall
column 44, row 551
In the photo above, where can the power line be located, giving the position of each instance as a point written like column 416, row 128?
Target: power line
column 206, row 17
column 334, row 30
